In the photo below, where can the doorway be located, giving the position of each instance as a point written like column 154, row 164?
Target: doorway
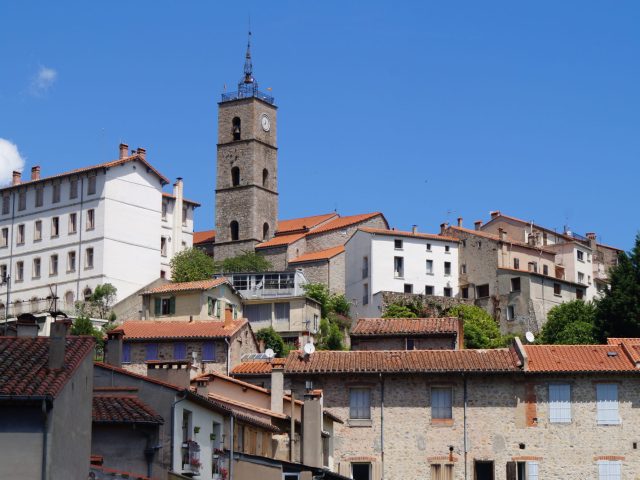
column 483, row 470
column 361, row 471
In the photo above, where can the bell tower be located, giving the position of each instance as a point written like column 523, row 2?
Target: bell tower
column 247, row 167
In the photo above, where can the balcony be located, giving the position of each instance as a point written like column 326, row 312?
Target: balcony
column 247, row 90
column 269, row 285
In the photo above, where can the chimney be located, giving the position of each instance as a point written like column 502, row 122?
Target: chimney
column 35, row 172
column 521, row 352
column 503, row 234
column 478, row 224
column 414, row 229
column 443, row 227
column 277, row 388
column 495, row 213
column 261, row 345
column 176, row 373
column 16, row 178
column 142, row 153
column 312, row 429
column 113, row 350
column 460, row 221
column 57, row 344
column 591, row 235
column 178, row 189
column 460, row 339
column 124, row 151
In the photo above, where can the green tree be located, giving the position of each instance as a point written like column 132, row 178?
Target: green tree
column 329, row 336
column 480, row 330
column 246, row 262
column 82, row 326
column 273, row 340
column 102, row 299
column 334, row 313
column 395, row 310
column 570, row 323
column 618, row 311
column 320, row 293
column 191, row 265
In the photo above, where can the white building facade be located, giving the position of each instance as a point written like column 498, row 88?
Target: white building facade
column 63, row 235
column 379, row 260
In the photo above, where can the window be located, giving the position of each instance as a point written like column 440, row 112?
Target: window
column 151, row 351
column 428, row 290
column 208, row 352
column 282, row 311
column 73, row 188
column 91, row 185
column 447, row 268
column 516, row 263
column 91, row 219
column 165, row 306
column 265, row 231
column 71, row 261
column 463, row 268
column 410, row 344
column 359, row 403
column 163, row 246
column 397, row 244
column 589, row 257
column 53, row 265
column 522, row 470
column 559, row 403
column 88, row 258
column 609, row 470
column 365, row 267
column 429, row 267
column 428, row 247
column 55, row 193
column 73, row 223
column 482, row 291
column 184, row 216
column 3, row 273
column 441, row 398
column 557, row 289
column 408, row 288
column 19, row 271
column 465, row 292
column 126, row 353
column 37, row 230
column 607, row 404
column 55, row 227
column 533, row 267
column 20, row 236
column 579, row 294
column 22, row 200
column 580, row 254
column 511, row 312
column 6, row 200
column 441, row 471
column 36, row 268
column 447, row 249
column 235, row 128
column 365, row 294
column 361, row 471
column 86, row 293
column 265, row 177
column 39, row 196
column 448, row 292
column 235, row 176
column 179, row 351
column 4, row 237
column 235, row 230
column 398, row 267
column 545, row 269
column 515, row 284
column 580, row 277
column 164, row 211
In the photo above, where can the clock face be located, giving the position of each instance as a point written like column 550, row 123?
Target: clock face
column 266, row 123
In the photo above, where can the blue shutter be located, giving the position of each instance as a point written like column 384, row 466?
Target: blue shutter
column 559, row 403
column 607, row 409
column 179, row 351
column 126, row 353
column 208, row 352
column 151, row 351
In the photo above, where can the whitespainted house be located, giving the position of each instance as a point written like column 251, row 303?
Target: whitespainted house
column 65, row 234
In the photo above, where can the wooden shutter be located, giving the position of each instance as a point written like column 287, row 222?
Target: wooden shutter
column 511, row 471
column 158, row 306
column 376, row 471
column 172, row 306
column 209, row 306
column 344, row 469
column 559, row 403
column 607, row 398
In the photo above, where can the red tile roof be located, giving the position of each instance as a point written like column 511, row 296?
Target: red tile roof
column 319, row 255
column 303, row 223
column 123, row 409
column 620, row 340
column 113, row 163
column 245, row 406
column 578, row 358
column 344, row 222
column 187, row 286
column 404, row 326
column 399, row 233
column 491, row 236
column 257, row 367
column 412, row 361
column 164, row 330
column 170, row 195
column 24, row 365
column 281, row 240
column 204, row 236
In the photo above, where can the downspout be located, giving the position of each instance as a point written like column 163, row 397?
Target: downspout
column 292, row 428
column 381, row 426
column 226, row 340
column 173, row 424
column 231, row 439
column 45, row 436
column 464, row 425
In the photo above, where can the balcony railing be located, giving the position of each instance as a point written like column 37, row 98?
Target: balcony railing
column 247, row 91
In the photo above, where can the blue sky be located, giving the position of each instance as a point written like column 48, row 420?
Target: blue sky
column 425, row 111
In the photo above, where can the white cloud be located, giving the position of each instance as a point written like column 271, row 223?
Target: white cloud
column 43, row 80
column 10, row 160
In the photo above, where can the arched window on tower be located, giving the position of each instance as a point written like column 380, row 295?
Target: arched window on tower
column 265, row 231
column 235, row 230
column 265, row 177
column 236, row 128
column 235, row 176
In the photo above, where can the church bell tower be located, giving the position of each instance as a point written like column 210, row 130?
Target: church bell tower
column 247, row 167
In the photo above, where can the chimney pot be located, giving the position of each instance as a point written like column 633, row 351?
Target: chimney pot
column 414, row 229
column 591, row 235
column 495, row 213
column 113, row 350
column 57, row 344
column 35, row 172
column 443, row 227
column 277, row 388
column 460, row 221
column 124, row 150
column 142, row 153
column 478, row 224
column 16, row 178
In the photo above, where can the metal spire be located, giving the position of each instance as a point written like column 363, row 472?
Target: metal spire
column 248, row 66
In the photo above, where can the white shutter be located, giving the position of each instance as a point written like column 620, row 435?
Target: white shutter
column 532, row 470
column 560, row 403
column 607, row 404
column 608, row 470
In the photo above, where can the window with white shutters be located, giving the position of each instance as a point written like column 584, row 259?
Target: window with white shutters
column 609, row 470
column 359, row 403
column 560, row 403
column 607, row 404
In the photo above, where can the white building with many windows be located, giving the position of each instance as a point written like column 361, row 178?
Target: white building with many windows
column 380, row 260
column 62, row 235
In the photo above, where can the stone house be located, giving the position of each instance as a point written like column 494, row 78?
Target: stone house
column 525, row 412
column 407, row 334
column 206, row 346
column 45, row 405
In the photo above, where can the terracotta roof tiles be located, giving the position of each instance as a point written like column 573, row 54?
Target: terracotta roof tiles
column 400, row 233
column 123, row 409
column 319, row 255
column 578, row 358
column 281, row 240
column 404, row 326
column 344, row 222
column 257, row 367
column 303, row 223
column 164, row 330
column 186, row 286
column 204, row 236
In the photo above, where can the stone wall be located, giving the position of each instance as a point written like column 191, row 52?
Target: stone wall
column 333, row 238
column 431, row 305
column 131, row 308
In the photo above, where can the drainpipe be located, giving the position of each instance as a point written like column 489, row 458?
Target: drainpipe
column 292, row 428
column 231, row 436
column 382, row 426
column 464, row 426
column 173, row 425
column 45, row 432
column 226, row 340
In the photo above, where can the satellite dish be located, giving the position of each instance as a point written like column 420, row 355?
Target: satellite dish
column 309, row 348
column 269, row 353
column 530, row 337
